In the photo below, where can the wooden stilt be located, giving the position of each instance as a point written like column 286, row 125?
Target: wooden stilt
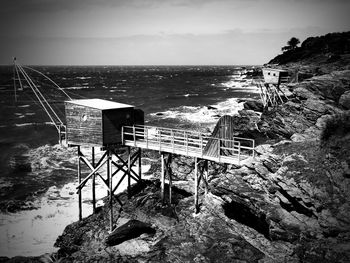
column 108, row 175
column 162, row 177
column 93, row 185
column 129, row 172
column 170, row 177
column 109, row 172
column 79, row 181
column 206, row 174
column 196, row 185
column 140, row 164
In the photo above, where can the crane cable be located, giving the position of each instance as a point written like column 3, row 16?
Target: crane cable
column 49, row 80
column 34, row 89
column 40, row 97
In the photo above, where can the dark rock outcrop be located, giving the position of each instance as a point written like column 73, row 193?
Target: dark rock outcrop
column 132, row 229
column 344, row 100
column 253, row 105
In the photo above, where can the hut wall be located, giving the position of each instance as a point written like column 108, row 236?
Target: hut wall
column 271, row 76
column 113, row 120
column 84, row 125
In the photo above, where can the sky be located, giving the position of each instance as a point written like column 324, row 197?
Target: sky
column 161, row 32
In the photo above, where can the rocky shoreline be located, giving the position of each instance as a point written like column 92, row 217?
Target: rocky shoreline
column 291, row 203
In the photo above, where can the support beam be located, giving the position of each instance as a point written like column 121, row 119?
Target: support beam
column 162, row 177
column 107, row 159
column 196, row 185
column 206, row 175
column 94, row 170
column 79, row 191
column 168, row 171
column 200, row 172
column 125, row 163
column 140, row 163
column 109, row 175
column 129, row 172
column 93, row 185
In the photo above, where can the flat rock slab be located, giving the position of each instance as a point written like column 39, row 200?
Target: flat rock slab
column 131, row 229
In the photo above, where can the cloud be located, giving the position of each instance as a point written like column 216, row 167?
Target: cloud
column 231, row 47
column 18, row 6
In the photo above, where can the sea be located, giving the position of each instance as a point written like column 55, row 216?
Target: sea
column 38, row 176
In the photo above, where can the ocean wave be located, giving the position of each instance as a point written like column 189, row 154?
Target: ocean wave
column 246, row 86
column 240, row 83
column 191, row 95
column 83, row 77
column 202, row 114
column 76, row 88
column 34, row 232
column 32, row 124
column 117, row 90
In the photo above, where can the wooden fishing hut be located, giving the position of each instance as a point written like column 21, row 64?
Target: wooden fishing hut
column 270, row 92
column 98, row 123
column 275, row 76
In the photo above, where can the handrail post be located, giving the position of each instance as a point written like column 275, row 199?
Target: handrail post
column 172, row 140
column 59, row 135
column 239, row 152
column 159, row 138
column 219, row 149
column 202, row 146
column 146, row 134
column 123, row 135
column 253, row 148
column 134, row 134
column 186, row 140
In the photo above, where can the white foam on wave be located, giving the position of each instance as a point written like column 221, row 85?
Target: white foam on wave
column 76, row 88
column 83, row 77
column 191, row 95
column 241, row 84
column 32, row 124
column 203, row 114
column 34, row 232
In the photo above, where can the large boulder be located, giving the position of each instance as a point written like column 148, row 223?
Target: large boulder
column 344, row 100
column 254, row 105
column 132, row 229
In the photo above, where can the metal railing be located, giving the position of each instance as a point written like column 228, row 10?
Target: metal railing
column 188, row 143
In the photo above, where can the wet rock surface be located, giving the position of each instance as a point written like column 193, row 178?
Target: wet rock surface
column 289, row 204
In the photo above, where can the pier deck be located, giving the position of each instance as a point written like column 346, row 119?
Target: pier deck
column 189, row 143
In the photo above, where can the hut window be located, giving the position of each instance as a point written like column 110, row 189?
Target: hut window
column 268, row 73
column 274, row 74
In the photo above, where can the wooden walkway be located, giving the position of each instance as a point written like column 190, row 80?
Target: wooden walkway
column 189, row 143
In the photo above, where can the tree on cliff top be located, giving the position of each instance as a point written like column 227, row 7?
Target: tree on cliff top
column 319, row 49
column 291, row 44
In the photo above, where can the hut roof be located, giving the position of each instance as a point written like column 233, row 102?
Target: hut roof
column 100, row 104
column 275, row 69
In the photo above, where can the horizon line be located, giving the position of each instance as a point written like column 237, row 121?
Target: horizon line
column 135, row 65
